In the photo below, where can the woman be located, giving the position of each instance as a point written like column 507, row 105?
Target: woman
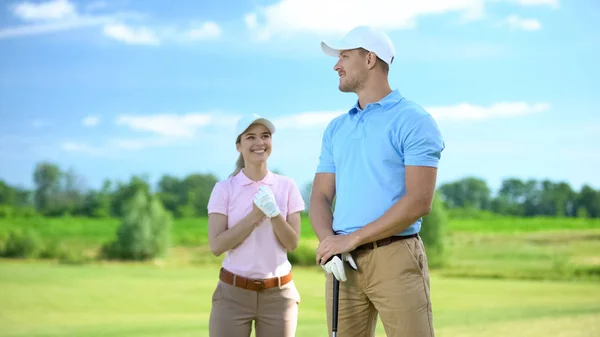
column 254, row 217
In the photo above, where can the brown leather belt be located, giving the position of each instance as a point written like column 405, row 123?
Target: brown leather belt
column 253, row 284
column 385, row 242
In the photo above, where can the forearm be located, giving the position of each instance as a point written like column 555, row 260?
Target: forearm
column 398, row 218
column 234, row 236
column 321, row 217
column 284, row 232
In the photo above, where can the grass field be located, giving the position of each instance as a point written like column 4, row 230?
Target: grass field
column 500, row 247
column 125, row 300
column 193, row 231
column 503, row 277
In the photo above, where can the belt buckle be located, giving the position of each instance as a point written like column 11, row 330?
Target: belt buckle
column 260, row 283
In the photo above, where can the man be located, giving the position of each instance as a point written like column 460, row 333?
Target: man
column 380, row 162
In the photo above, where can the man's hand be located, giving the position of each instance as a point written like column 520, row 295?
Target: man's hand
column 335, row 244
column 264, row 199
column 335, row 266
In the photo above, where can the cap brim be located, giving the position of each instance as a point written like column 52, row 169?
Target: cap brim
column 334, row 48
column 266, row 123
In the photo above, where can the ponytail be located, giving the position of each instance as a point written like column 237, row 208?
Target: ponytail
column 239, row 164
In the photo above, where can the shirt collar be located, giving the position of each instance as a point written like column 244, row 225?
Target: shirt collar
column 391, row 99
column 243, row 180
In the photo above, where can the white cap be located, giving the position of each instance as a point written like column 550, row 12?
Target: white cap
column 363, row 37
column 247, row 120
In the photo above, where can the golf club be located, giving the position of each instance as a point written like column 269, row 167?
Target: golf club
column 334, row 316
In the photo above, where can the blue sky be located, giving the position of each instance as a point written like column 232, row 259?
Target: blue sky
column 116, row 88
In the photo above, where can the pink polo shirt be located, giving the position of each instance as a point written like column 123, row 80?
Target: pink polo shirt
column 260, row 255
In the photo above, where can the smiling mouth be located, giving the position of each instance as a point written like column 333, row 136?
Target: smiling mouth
column 258, row 151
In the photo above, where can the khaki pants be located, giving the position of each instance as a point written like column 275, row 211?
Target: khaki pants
column 274, row 311
column 393, row 281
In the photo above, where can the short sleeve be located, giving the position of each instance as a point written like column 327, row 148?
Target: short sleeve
column 423, row 145
column 295, row 201
column 326, row 163
column 219, row 200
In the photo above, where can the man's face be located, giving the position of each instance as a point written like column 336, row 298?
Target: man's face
column 352, row 69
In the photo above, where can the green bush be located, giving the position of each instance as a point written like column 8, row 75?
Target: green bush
column 303, row 256
column 144, row 232
column 6, row 211
column 21, row 244
column 433, row 232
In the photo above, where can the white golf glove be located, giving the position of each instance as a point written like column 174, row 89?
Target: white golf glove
column 335, row 266
column 264, row 199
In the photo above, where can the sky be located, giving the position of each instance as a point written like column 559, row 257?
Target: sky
column 112, row 89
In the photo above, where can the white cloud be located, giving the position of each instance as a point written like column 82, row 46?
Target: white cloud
column 306, row 119
column 114, row 145
column 251, row 20
column 50, row 10
column 177, row 126
column 54, row 26
column 157, row 35
column 463, row 111
column 466, row 111
column 62, row 15
column 55, row 16
column 516, row 22
column 172, row 129
column 208, row 30
column 339, row 16
column 91, row 121
column 130, row 35
column 336, row 17
column 80, row 147
column 551, row 3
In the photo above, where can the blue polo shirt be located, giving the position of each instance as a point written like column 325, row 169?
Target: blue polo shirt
column 368, row 150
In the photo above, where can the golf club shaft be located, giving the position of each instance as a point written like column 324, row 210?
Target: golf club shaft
column 336, row 291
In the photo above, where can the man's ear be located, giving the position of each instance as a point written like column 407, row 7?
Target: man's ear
column 371, row 60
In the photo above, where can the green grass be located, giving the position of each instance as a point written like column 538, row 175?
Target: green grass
column 135, row 300
column 492, row 247
column 538, row 255
column 505, row 224
column 193, row 231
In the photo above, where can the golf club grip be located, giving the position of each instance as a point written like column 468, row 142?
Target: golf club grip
column 334, row 316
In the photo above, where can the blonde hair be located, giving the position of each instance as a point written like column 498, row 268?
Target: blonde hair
column 239, row 164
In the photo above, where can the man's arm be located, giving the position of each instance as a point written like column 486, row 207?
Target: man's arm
column 321, row 205
column 416, row 203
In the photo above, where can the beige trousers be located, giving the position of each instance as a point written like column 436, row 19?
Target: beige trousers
column 274, row 311
column 392, row 281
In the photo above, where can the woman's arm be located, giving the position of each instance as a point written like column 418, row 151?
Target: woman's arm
column 287, row 232
column 222, row 239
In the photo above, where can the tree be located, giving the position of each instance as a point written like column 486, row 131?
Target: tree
column 125, row 192
column 98, row 204
column 469, row 192
column 433, row 231
column 144, row 232
column 47, row 178
column 589, row 199
column 171, row 193
column 197, row 190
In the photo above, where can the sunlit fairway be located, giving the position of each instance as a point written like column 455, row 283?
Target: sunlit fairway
column 127, row 300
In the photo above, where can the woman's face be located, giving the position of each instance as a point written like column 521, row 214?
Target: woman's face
column 255, row 144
